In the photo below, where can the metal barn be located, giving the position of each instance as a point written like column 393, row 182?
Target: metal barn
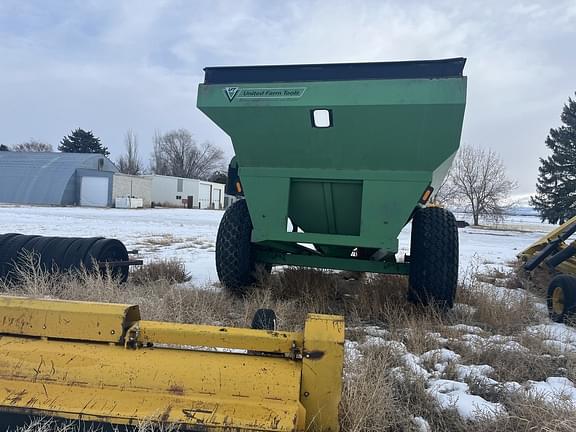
column 56, row 178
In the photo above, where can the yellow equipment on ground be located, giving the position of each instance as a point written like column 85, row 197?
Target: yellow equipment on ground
column 553, row 249
column 556, row 253
column 102, row 362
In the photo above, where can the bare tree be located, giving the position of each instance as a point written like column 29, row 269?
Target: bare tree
column 477, row 182
column 176, row 153
column 32, row 146
column 130, row 162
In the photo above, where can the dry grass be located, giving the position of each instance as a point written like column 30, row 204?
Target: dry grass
column 503, row 314
column 375, row 398
column 535, row 281
column 161, row 240
column 169, row 270
column 51, row 425
column 516, row 366
column 369, row 400
column 529, row 415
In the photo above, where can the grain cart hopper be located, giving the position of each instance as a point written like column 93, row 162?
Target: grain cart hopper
column 103, row 363
column 341, row 157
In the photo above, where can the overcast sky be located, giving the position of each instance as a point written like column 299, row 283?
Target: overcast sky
column 113, row 65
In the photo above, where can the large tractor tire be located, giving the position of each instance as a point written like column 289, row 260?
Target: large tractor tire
column 433, row 258
column 235, row 261
column 561, row 298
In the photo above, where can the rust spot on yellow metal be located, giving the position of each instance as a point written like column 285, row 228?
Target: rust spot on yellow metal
column 176, row 389
column 166, row 414
column 229, row 386
column 14, row 397
column 63, row 319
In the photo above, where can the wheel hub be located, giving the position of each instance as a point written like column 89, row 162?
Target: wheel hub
column 558, row 301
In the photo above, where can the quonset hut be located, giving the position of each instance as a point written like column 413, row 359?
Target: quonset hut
column 56, row 178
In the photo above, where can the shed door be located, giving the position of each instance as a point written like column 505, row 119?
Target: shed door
column 94, row 191
column 216, row 195
column 204, row 195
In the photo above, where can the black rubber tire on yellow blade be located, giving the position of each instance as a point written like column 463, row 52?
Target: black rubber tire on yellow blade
column 264, row 319
column 561, row 298
column 235, row 262
column 433, row 258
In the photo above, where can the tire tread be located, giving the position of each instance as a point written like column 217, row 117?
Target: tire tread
column 433, row 257
column 234, row 254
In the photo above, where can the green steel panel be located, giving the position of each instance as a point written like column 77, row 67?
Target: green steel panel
column 328, row 196
column 349, row 264
column 354, row 184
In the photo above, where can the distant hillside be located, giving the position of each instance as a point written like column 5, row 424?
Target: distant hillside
column 522, row 211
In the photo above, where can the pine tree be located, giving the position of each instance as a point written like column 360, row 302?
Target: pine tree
column 81, row 141
column 555, row 197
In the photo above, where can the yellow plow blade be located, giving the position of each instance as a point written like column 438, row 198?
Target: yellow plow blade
column 106, row 364
column 556, row 240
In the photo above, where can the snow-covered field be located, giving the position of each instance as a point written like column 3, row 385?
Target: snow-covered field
column 190, row 235
column 452, row 367
column 469, row 362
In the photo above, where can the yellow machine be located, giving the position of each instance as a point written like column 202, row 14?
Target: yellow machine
column 556, row 253
column 102, row 362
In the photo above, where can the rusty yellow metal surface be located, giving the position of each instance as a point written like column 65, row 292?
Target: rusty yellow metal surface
column 221, row 337
column 154, row 372
column 322, row 367
column 568, row 266
column 544, row 240
column 118, row 385
column 61, row 319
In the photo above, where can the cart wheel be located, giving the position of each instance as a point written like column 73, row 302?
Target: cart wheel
column 235, row 262
column 264, row 319
column 433, row 258
column 561, row 298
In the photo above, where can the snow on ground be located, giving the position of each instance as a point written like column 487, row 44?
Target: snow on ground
column 448, row 393
column 421, row 424
column 190, row 235
column 456, row 395
column 491, row 247
column 552, row 390
column 555, row 336
column 447, row 378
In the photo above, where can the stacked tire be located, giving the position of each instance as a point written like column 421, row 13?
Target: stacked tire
column 61, row 254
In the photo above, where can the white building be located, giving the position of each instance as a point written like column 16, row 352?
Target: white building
column 183, row 192
column 125, row 185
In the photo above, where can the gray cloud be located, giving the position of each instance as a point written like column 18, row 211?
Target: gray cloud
column 110, row 66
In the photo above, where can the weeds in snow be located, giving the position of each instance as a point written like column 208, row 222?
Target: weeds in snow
column 168, row 270
column 398, row 347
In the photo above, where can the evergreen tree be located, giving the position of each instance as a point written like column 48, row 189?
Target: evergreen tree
column 555, row 197
column 4, row 147
column 81, row 141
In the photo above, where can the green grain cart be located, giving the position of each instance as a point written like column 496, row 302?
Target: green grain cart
column 332, row 161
